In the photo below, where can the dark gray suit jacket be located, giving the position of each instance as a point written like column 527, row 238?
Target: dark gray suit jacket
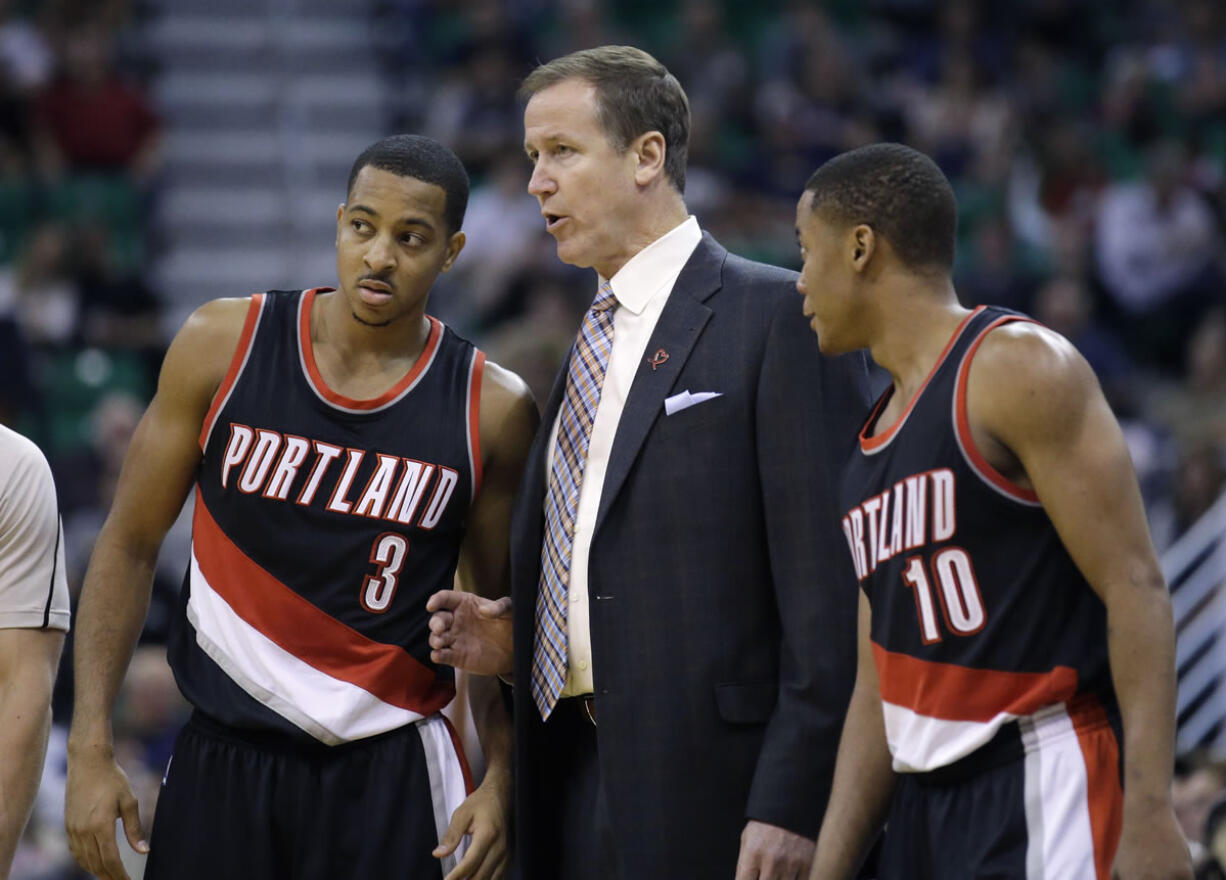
column 723, row 603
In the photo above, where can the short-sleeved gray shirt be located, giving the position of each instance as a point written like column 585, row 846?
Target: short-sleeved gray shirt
column 33, row 586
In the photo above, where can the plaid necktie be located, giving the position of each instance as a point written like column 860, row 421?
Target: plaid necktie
column 584, row 378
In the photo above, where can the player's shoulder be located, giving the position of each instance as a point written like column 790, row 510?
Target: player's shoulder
column 1023, row 369
column 504, row 394
column 203, row 348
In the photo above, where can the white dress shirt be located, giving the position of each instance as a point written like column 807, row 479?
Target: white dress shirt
column 642, row 287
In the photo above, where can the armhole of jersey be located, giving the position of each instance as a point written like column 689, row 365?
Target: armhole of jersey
column 475, row 371
column 962, row 426
column 237, row 363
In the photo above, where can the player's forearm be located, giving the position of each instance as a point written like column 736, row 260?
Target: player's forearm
column 1141, row 646
column 114, row 602
column 863, row 786
column 25, row 723
column 493, row 725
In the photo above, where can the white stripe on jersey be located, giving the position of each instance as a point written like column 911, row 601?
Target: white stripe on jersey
column 919, row 743
column 447, row 786
column 330, row 709
column 1061, row 839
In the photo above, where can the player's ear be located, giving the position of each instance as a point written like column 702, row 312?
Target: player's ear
column 863, row 245
column 340, row 212
column 455, row 244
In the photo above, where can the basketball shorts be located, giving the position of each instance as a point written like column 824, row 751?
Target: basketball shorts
column 1042, row 801
column 241, row 804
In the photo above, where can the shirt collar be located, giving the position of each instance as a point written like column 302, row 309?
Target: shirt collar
column 655, row 267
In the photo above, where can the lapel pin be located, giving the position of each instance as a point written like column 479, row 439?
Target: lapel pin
column 658, row 359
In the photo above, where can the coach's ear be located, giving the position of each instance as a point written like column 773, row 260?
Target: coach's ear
column 863, row 243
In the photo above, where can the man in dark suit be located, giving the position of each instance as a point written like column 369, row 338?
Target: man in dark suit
column 683, row 613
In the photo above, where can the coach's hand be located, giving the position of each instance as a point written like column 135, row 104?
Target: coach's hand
column 769, row 852
column 1152, row 848
column 483, row 816
column 98, row 792
column 470, row 632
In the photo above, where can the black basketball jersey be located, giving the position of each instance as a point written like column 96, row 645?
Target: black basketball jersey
column 979, row 615
column 321, row 526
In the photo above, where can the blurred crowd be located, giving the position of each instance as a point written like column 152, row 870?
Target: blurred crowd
column 1086, row 140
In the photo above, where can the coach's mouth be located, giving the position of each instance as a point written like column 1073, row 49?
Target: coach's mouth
column 553, row 221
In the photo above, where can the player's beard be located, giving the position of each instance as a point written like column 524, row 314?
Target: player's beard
column 366, row 323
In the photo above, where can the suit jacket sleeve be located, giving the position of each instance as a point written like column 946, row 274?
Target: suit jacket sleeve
column 808, row 411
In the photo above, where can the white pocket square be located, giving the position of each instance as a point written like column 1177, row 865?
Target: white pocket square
column 685, row 399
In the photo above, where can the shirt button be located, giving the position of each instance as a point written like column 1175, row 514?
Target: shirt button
column 583, row 665
column 576, row 597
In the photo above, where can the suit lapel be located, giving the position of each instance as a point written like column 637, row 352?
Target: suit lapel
column 680, row 324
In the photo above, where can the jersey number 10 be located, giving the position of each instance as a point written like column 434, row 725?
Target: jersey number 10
column 959, row 597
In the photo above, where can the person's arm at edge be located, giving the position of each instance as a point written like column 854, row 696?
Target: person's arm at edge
column 508, row 420
column 157, row 474
column 1032, row 393
column 863, row 776
column 29, row 649
column 28, row 662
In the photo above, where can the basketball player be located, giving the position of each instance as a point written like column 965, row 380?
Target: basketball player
column 1016, row 645
column 346, row 450
column 33, row 619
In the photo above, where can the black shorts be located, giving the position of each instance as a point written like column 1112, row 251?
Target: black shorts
column 234, row 804
column 1050, row 811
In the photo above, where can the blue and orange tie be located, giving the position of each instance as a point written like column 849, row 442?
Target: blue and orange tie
column 584, row 377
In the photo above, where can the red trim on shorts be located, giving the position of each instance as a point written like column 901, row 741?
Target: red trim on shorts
column 236, row 366
column 469, row 788
column 1101, row 752
column 474, row 417
column 317, row 380
column 962, row 423
column 872, row 444
column 308, row 633
column 959, row 693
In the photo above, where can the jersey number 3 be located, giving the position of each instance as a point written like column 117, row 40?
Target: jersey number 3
column 388, row 553
column 959, row 597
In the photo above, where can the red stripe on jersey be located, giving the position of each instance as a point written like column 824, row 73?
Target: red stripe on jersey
column 317, row 379
column 386, row 671
column 875, row 442
column 1101, row 753
column 959, row 693
column 459, row 752
column 474, row 417
column 236, row 367
column 963, row 422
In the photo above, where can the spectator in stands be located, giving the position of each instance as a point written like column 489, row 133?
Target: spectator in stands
column 1156, row 241
column 1194, row 410
column 91, row 120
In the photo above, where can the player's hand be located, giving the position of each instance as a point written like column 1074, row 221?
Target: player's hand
column 470, row 632
column 769, row 852
column 98, row 792
column 1152, row 848
column 483, row 816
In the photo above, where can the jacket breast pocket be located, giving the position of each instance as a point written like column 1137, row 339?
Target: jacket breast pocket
column 746, row 702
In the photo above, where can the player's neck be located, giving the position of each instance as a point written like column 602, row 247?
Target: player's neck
column 920, row 320
column 355, row 342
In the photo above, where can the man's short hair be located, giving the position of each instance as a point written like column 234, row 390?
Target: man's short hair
column 635, row 94
column 424, row 159
column 897, row 191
